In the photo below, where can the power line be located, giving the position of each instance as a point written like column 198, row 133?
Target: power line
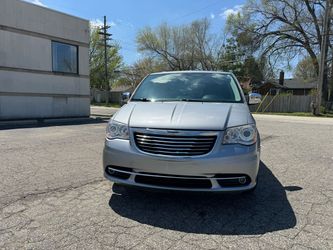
column 126, row 43
column 196, row 11
column 130, row 44
column 128, row 49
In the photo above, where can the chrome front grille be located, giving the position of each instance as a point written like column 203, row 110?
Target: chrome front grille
column 183, row 144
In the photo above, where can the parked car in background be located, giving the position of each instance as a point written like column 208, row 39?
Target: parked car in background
column 187, row 130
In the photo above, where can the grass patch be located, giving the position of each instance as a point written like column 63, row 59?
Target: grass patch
column 110, row 105
column 304, row 114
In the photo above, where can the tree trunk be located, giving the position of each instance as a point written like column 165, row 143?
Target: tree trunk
column 330, row 84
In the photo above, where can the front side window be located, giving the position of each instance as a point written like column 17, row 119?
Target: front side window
column 64, row 58
column 196, row 87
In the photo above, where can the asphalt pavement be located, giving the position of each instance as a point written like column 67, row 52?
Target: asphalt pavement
column 53, row 195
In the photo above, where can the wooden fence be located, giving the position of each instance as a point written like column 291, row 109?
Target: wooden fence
column 99, row 96
column 284, row 103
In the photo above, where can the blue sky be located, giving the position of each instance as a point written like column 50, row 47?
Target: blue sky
column 129, row 16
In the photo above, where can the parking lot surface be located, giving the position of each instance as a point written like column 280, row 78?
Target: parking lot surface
column 53, row 195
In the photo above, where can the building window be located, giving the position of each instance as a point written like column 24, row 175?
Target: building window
column 64, row 58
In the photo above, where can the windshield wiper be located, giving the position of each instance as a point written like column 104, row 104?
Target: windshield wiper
column 142, row 100
column 178, row 100
column 190, row 100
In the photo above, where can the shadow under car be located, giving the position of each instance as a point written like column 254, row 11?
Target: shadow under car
column 265, row 210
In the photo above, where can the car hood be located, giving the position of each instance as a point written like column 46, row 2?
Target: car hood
column 184, row 115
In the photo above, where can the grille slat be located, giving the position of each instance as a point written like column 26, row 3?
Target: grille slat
column 163, row 152
column 177, row 138
column 173, row 142
column 174, row 145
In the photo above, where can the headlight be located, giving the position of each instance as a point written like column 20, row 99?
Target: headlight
column 245, row 135
column 117, row 130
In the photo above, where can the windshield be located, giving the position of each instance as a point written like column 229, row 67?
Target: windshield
column 200, row 87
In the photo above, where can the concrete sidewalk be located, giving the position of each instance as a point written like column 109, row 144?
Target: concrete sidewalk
column 102, row 111
column 97, row 115
column 294, row 119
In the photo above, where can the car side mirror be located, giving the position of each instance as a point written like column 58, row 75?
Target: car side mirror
column 125, row 97
column 254, row 98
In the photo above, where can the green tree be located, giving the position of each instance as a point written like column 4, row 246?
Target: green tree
column 245, row 38
column 284, row 29
column 97, row 62
column 232, row 57
column 194, row 47
column 235, row 58
column 305, row 70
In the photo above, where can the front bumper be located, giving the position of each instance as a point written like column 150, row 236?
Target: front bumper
column 222, row 168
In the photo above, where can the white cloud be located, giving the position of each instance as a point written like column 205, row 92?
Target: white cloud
column 96, row 23
column 124, row 23
column 232, row 11
column 99, row 22
column 37, row 2
column 212, row 16
column 118, row 22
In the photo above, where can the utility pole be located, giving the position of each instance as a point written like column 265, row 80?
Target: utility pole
column 106, row 38
column 323, row 55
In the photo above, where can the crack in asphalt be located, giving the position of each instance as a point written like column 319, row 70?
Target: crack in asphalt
column 48, row 191
column 267, row 138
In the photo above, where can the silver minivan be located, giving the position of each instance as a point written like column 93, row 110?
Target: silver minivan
column 184, row 130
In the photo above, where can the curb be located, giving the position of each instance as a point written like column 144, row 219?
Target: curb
column 102, row 115
column 9, row 124
column 18, row 123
